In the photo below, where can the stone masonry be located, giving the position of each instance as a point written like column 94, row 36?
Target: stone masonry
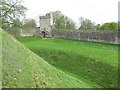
column 108, row 36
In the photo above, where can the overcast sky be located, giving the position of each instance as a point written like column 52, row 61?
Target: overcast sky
column 99, row 11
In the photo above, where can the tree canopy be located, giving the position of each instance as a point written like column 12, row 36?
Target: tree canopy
column 62, row 22
column 11, row 11
column 86, row 24
column 109, row 26
column 30, row 24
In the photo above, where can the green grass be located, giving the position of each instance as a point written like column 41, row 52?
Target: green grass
column 94, row 63
column 21, row 68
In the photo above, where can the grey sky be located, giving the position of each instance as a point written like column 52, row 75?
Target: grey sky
column 99, row 11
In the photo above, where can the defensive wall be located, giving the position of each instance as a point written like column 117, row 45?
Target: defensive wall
column 105, row 36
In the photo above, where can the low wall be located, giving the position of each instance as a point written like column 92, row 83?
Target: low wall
column 13, row 31
column 22, row 32
column 28, row 31
column 108, row 36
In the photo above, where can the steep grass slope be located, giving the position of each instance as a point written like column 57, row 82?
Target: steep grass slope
column 89, row 61
column 21, row 68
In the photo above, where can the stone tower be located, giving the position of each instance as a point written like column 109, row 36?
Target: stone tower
column 46, row 23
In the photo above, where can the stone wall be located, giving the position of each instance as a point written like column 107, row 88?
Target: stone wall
column 29, row 31
column 13, row 31
column 22, row 32
column 108, row 36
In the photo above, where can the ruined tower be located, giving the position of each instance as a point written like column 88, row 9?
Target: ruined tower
column 46, row 23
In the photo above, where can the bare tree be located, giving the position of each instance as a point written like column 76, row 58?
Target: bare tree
column 86, row 24
column 11, row 10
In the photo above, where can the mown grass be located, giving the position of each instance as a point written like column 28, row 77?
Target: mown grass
column 21, row 68
column 94, row 63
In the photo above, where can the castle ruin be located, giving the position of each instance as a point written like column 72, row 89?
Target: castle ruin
column 46, row 24
column 46, row 29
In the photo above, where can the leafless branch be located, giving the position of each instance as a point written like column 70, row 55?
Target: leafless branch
column 10, row 8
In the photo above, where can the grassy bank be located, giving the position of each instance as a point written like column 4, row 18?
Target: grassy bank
column 94, row 63
column 21, row 68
